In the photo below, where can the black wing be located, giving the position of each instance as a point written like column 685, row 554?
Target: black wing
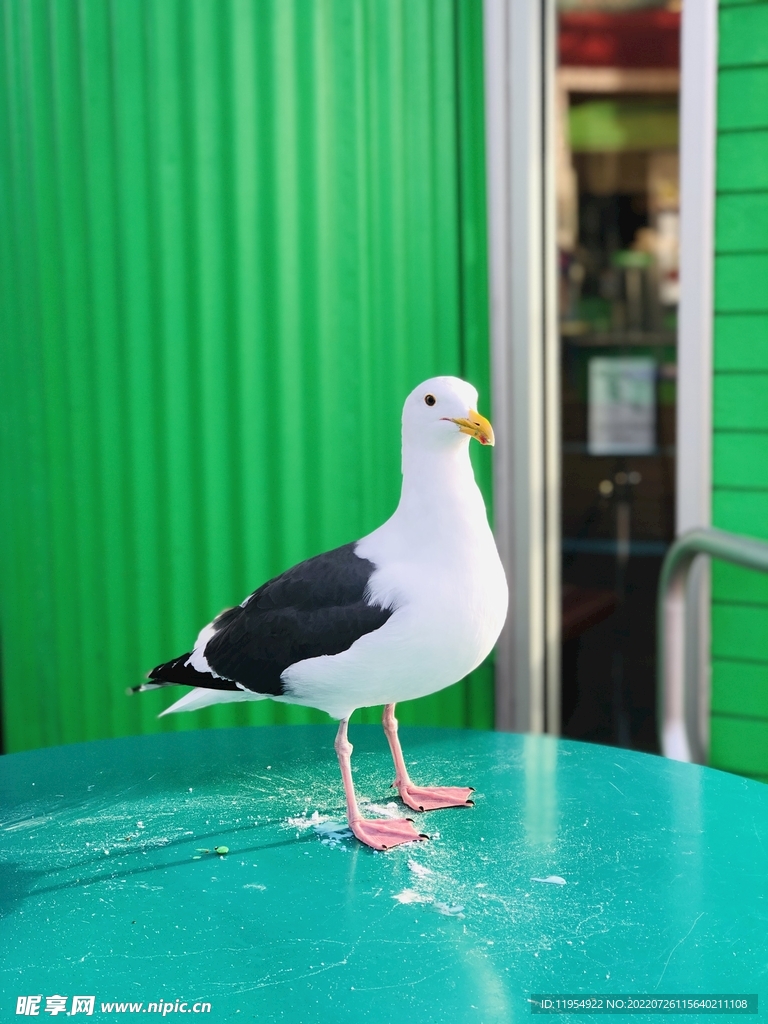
column 317, row 607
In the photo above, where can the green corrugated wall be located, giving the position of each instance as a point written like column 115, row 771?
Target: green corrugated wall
column 740, row 498
column 233, row 235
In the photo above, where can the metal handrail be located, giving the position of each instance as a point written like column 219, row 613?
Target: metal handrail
column 678, row 692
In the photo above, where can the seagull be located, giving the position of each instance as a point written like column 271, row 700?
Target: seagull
column 408, row 610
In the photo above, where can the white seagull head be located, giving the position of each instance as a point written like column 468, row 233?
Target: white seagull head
column 441, row 414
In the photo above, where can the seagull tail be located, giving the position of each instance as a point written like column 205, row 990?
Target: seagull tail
column 146, row 686
column 208, row 688
column 203, row 698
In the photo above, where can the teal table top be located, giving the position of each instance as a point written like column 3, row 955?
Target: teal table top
column 581, row 870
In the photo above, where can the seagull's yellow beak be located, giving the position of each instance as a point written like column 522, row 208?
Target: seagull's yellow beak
column 476, row 426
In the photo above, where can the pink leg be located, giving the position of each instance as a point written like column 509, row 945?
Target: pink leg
column 420, row 798
column 381, row 834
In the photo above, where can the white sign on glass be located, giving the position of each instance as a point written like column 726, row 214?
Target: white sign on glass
column 622, row 406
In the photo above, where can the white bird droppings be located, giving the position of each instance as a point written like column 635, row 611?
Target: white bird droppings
column 411, row 896
column 419, row 869
column 449, row 910
column 390, row 810
column 552, row 879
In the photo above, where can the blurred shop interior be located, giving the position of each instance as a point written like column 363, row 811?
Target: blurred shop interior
column 617, row 233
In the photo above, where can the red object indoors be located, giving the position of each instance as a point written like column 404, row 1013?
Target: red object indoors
column 630, row 39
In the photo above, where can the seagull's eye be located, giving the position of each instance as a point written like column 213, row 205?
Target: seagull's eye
column 430, row 399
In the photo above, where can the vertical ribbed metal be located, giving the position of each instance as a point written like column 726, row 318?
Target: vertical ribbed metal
column 233, row 235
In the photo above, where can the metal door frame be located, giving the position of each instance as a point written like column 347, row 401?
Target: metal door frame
column 520, row 84
column 698, row 131
column 519, row 50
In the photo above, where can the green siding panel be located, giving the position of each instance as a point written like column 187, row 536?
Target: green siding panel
column 742, row 223
column 740, row 631
column 740, row 688
column 742, row 160
column 744, row 512
column 740, row 460
column 739, row 724
column 732, row 583
column 740, row 3
column 741, row 283
column 740, row 401
column 741, row 342
column 742, row 99
column 232, row 238
column 743, row 36
column 739, row 745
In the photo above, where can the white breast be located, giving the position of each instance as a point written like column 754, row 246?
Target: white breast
column 447, row 585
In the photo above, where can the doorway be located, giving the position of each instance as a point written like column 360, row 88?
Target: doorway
column 616, row 126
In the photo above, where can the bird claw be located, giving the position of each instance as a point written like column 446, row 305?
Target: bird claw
column 384, row 833
column 434, row 798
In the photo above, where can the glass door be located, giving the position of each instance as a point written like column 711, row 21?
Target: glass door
column 617, row 181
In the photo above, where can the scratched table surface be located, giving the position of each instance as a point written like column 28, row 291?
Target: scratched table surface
column 581, row 869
